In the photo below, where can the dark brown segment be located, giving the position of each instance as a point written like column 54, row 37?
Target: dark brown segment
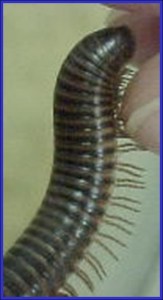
column 85, row 126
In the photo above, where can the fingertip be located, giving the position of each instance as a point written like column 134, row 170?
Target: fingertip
column 143, row 125
column 145, row 25
column 140, row 109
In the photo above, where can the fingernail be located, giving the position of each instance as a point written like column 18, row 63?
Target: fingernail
column 143, row 125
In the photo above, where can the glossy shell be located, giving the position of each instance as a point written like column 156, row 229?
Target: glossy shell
column 85, row 97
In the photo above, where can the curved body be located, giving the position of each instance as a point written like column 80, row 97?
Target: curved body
column 83, row 168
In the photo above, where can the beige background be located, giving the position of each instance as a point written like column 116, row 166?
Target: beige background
column 36, row 40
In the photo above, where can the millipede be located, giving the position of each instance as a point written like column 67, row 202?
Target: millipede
column 87, row 99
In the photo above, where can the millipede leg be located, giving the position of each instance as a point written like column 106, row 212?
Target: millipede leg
column 112, row 238
column 85, row 278
column 106, row 248
column 117, row 226
column 119, row 218
column 127, row 199
column 117, row 204
column 92, row 264
column 94, row 258
column 67, row 291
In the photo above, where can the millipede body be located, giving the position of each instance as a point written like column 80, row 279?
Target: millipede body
column 85, row 128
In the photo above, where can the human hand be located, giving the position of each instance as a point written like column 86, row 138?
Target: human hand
column 140, row 109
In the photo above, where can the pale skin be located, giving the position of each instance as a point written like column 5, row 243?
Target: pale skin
column 140, row 109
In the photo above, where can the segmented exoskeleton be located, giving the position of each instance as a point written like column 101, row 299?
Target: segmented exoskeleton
column 85, row 133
